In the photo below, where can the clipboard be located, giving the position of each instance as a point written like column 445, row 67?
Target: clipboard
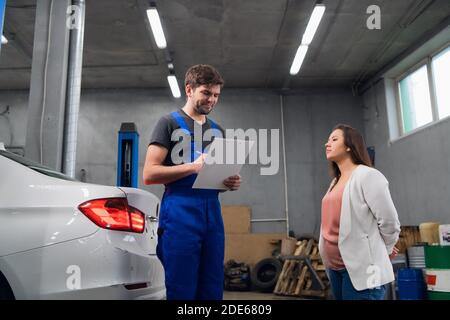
column 213, row 173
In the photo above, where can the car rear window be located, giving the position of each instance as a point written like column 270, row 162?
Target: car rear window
column 35, row 166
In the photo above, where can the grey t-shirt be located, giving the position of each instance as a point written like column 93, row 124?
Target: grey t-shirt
column 162, row 133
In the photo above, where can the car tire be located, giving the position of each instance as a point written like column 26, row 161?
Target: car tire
column 265, row 274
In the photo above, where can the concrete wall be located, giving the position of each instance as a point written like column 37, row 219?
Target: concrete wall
column 102, row 112
column 309, row 116
column 13, row 118
column 417, row 165
column 309, row 119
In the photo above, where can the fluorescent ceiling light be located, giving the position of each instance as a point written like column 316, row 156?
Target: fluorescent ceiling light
column 313, row 24
column 298, row 60
column 173, row 83
column 155, row 24
column 4, row 40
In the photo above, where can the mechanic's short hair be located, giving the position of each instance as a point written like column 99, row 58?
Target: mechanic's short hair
column 202, row 74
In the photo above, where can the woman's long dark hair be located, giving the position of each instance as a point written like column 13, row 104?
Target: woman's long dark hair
column 358, row 150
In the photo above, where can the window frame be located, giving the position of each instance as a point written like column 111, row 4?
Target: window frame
column 427, row 62
column 431, row 75
column 403, row 76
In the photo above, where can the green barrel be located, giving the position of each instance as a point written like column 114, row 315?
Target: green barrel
column 437, row 261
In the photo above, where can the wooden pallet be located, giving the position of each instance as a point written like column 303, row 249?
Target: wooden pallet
column 409, row 236
column 303, row 274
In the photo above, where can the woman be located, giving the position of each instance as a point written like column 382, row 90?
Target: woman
column 360, row 225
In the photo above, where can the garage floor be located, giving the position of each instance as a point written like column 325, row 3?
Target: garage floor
column 253, row 295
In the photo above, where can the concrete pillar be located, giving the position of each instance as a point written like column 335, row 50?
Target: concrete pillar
column 73, row 87
column 45, row 127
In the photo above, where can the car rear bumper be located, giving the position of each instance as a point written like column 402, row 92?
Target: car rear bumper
column 93, row 267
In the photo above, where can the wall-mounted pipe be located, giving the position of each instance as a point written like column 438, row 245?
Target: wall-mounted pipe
column 286, row 203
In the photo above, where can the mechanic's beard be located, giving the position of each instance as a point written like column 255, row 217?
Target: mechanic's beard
column 202, row 109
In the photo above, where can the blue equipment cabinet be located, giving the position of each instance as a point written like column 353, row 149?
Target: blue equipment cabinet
column 2, row 17
column 128, row 156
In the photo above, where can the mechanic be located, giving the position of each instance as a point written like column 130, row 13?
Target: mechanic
column 191, row 232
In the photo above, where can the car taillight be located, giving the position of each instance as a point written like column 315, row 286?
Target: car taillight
column 114, row 214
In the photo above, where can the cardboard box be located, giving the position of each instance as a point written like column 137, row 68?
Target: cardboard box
column 250, row 248
column 444, row 234
column 236, row 219
column 429, row 232
column 288, row 246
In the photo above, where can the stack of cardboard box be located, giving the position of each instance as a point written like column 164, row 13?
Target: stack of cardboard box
column 240, row 244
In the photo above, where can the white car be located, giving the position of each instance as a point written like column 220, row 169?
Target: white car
column 63, row 239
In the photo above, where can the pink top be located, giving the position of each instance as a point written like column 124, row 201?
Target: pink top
column 331, row 216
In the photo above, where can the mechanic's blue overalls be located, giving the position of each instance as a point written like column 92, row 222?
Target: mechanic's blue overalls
column 191, row 236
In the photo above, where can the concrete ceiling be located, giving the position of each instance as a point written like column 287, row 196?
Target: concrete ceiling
column 251, row 42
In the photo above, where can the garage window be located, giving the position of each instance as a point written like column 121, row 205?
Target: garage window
column 423, row 93
column 441, row 77
column 415, row 100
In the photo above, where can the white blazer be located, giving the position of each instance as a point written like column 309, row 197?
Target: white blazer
column 369, row 229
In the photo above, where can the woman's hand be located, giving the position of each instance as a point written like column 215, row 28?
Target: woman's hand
column 394, row 253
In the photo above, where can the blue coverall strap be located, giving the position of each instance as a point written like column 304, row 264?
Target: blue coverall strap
column 215, row 127
column 180, row 120
column 213, row 124
column 195, row 150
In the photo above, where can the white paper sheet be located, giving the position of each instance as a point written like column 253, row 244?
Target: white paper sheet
column 212, row 175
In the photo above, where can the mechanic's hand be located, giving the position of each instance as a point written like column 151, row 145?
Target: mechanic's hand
column 198, row 163
column 394, row 253
column 233, row 183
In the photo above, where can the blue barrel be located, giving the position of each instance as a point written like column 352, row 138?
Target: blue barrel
column 411, row 284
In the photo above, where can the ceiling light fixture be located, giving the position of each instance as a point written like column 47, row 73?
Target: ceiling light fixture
column 173, row 83
column 298, row 59
column 4, row 40
column 307, row 38
column 155, row 24
column 313, row 24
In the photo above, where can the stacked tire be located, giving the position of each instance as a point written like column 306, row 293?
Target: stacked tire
column 265, row 274
column 237, row 276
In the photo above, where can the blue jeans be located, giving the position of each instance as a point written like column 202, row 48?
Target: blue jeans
column 343, row 289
